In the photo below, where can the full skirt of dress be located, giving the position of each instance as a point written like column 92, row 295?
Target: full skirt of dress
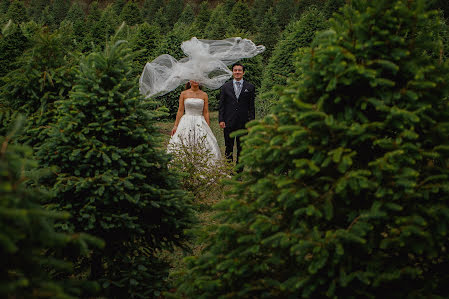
column 194, row 135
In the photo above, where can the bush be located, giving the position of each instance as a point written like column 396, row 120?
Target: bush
column 44, row 75
column 297, row 35
column 113, row 177
column 27, row 270
column 345, row 186
column 200, row 174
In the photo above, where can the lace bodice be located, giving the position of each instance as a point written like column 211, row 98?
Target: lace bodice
column 193, row 106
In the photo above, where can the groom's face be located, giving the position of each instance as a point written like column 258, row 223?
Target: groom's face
column 237, row 72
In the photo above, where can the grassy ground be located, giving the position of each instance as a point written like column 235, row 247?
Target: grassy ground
column 203, row 203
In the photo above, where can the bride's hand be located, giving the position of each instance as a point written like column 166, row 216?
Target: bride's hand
column 173, row 131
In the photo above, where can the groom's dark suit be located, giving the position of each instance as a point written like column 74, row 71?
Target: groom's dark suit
column 235, row 112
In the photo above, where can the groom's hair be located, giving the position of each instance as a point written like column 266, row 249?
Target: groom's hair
column 238, row 63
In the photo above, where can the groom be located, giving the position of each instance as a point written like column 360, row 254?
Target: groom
column 236, row 108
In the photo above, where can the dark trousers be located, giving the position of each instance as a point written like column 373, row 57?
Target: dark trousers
column 229, row 143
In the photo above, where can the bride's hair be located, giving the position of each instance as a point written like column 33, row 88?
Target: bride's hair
column 188, row 86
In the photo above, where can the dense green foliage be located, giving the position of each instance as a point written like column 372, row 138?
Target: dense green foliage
column 113, row 178
column 345, row 186
column 280, row 66
column 27, row 237
column 43, row 76
column 343, row 190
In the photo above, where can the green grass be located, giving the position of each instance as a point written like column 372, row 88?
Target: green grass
column 205, row 212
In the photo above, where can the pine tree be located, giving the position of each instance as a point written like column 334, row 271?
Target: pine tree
column 77, row 17
column 345, row 185
column 12, row 45
column 46, row 18
column 218, row 24
column 228, row 5
column 187, row 16
column 173, row 10
column 240, row 16
column 202, row 18
column 59, row 9
column 118, row 6
column 160, row 20
column 108, row 24
column 94, row 37
column 27, row 267
column 269, row 33
column 35, row 9
column 4, row 5
column 146, row 41
column 297, row 35
column 17, row 12
column 284, row 11
column 131, row 14
column 149, row 9
column 258, row 11
column 45, row 75
column 332, row 6
column 113, row 176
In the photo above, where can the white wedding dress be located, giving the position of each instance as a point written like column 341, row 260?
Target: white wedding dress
column 193, row 133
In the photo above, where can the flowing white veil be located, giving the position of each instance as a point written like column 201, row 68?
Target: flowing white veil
column 207, row 62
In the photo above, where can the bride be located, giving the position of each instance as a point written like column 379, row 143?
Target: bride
column 207, row 64
column 192, row 125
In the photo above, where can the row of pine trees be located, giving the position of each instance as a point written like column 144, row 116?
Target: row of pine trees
column 345, row 173
column 157, row 27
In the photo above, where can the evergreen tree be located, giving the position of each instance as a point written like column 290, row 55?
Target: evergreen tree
column 35, row 9
column 94, row 38
column 228, row 5
column 118, row 6
column 304, row 5
column 17, row 12
column 12, row 45
column 46, row 18
column 284, row 11
column 441, row 5
column 269, row 33
column 160, row 19
column 187, row 16
column 202, row 18
column 59, row 9
column 146, row 42
column 4, row 5
column 45, row 75
column 332, row 6
column 297, row 35
column 113, row 176
column 240, row 16
column 345, row 185
column 27, row 270
column 173, row 10
column 131, row 14
column 218, row 24
column 77, row 17
column 107, row 25
column 258, row 11
column 149, row 9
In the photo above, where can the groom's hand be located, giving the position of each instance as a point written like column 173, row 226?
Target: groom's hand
column 222, row 124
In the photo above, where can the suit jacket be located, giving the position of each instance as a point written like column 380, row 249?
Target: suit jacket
column 236, row 112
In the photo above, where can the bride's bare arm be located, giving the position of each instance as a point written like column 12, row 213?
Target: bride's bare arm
column 206, row 110
column 179, row 114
